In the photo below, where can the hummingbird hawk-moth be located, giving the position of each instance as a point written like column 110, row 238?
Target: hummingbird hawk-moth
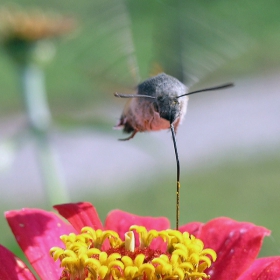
column 160, row 103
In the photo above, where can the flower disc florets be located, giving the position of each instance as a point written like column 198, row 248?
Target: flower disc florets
column 97, row 254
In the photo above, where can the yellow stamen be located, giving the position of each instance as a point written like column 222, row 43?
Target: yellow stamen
column 145, row 237
column 85, row 258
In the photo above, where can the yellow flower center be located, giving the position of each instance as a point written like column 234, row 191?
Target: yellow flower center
column 83, row 257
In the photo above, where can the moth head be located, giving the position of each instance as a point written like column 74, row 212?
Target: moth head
column 168, row 107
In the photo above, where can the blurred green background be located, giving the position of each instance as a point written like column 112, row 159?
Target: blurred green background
column 230, row 149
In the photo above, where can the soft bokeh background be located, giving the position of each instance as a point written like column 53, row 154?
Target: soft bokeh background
column 228, row 144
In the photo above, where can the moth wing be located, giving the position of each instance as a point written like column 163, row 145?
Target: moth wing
column 190, row 42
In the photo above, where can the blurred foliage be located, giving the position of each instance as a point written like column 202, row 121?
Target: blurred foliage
column 184, row 37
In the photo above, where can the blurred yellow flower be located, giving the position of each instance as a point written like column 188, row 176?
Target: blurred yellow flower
column 32, row 25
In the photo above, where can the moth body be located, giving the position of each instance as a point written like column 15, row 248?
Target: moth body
column 156, row 113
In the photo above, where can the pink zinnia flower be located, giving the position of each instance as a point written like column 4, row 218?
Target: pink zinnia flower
column 236, row 244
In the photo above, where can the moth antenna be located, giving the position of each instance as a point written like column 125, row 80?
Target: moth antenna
column 132, row 95
column 208, row 89
column 178, row 177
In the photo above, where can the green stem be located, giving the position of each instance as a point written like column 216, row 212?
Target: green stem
column 39, row 117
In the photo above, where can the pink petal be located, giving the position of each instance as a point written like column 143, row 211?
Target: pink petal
column 36, row 231
column 236, row 243
column 192, row 228
column 263, row 269
column 80, row 214
column 12, row 267
column 121, row 221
